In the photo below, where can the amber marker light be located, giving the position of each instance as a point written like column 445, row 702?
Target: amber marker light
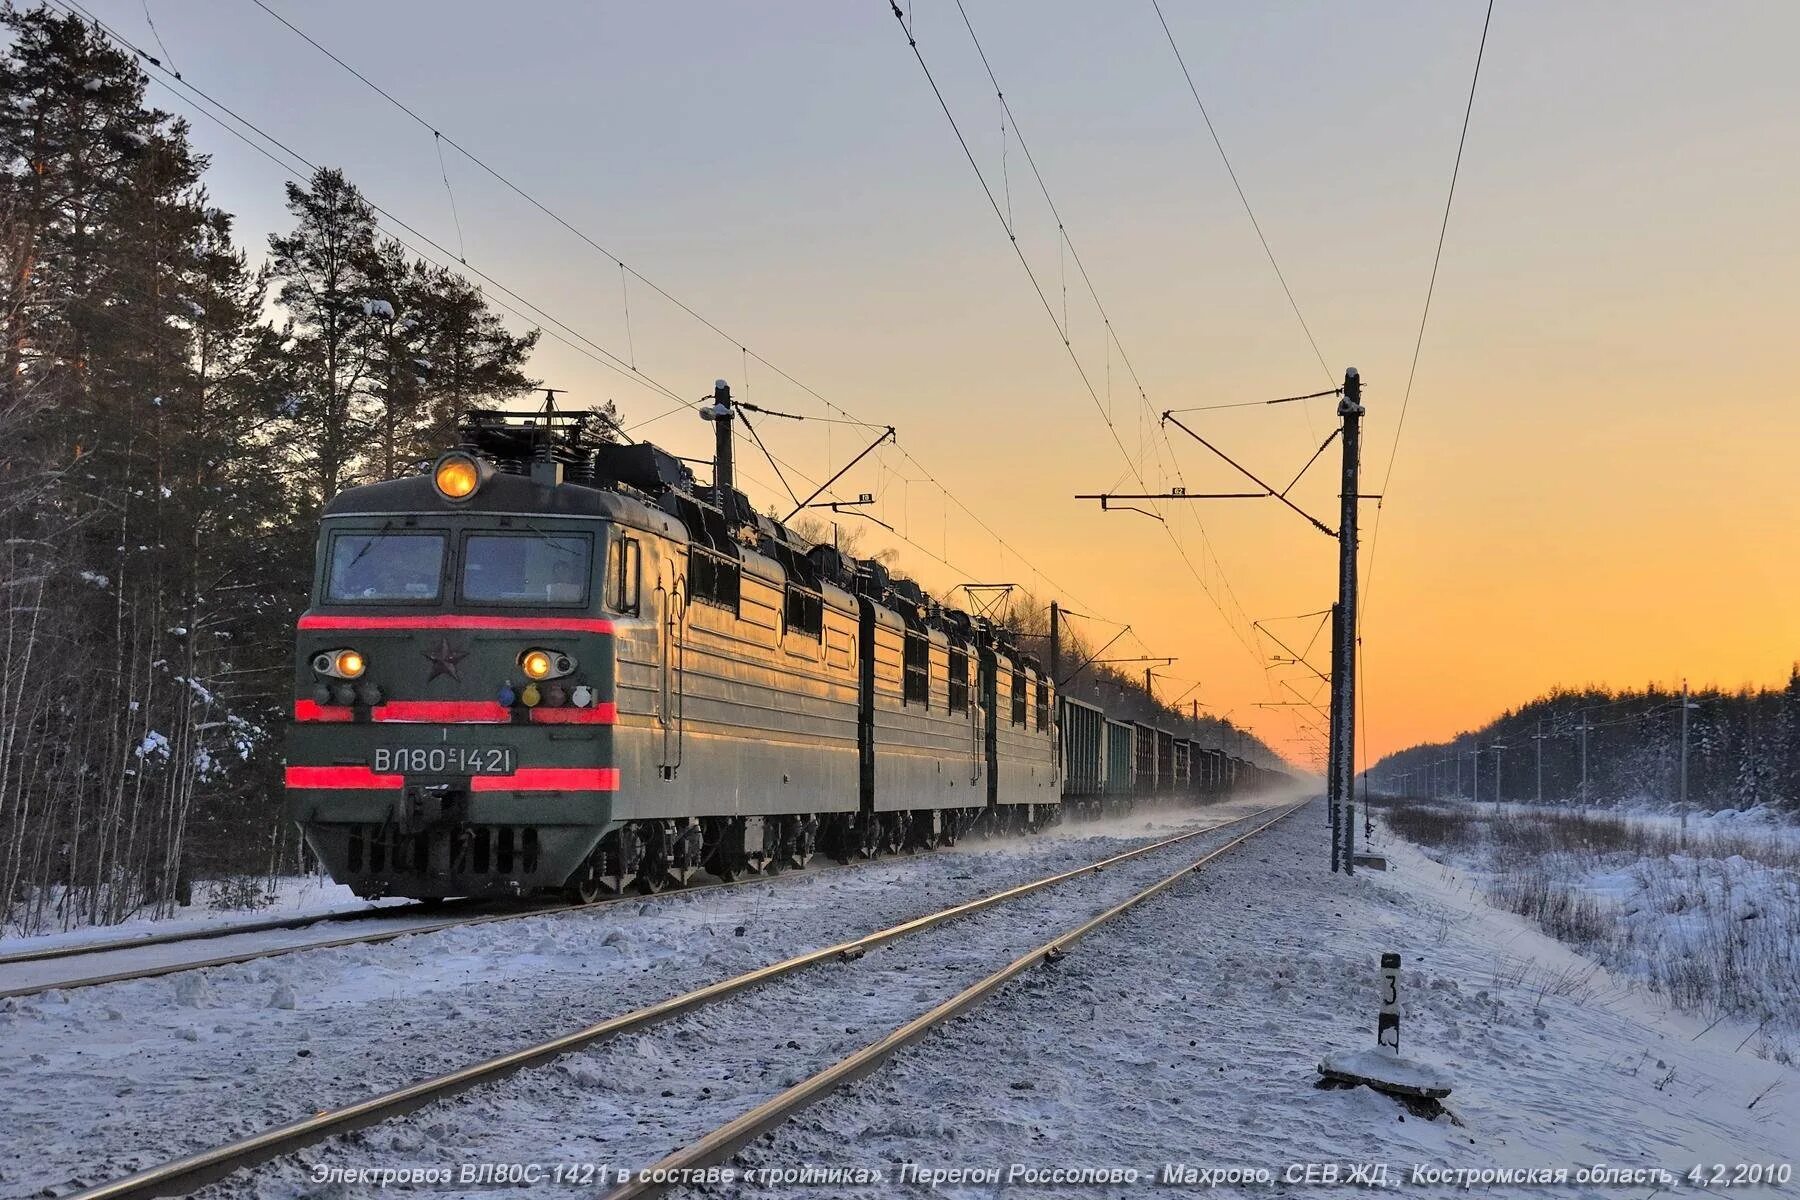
column 344, row 664
column 457, row 475
column 540, row 663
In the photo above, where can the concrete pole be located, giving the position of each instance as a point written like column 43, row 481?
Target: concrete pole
column 1343, row 656
column 1684, row 760
column 1539, row 738
column 1497, row 749
column 1584, row 774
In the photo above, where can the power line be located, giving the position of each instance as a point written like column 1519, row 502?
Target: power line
column 1438, row 256
column 623, row 366
column 604, row 357
column 1050, row 311
column 1231, row 171
column 442, row 256
column 627, row 270
column 1418, row 342
column 1259, row 403
column 1111, row 339
column 532, row 200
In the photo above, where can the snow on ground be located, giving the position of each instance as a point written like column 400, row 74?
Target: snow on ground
column 635, row 1098
column 294, row 896
column 1709, row 920
column 101, row 1081
column 1189, row 1032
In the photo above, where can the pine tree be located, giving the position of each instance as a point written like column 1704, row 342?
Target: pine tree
column 143, row 530
column 328, row 278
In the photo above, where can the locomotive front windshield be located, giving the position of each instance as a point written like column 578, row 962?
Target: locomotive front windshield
column 526, row 568
column 386, row 568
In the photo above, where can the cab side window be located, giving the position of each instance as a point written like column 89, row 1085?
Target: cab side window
column 622, row 576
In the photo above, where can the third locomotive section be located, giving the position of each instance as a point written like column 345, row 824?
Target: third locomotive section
column 555, row 663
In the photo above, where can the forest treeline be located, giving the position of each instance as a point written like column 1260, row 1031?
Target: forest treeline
column 175, row 407
column 1743, row 750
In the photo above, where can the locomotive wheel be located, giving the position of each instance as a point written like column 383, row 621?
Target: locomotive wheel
column 838, row 838
column 654, row 879
column 895, row 831
column 688, row 853
column 869, row 838
column 587, row 890
column 799, row 843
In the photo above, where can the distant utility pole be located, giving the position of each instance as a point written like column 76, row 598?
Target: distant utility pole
column 1686, row 704
column 1474, row 775
column 1583, row 730
column 1538, row 737
column 1497, row 749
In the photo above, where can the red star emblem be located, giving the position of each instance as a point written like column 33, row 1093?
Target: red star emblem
column 444, row 659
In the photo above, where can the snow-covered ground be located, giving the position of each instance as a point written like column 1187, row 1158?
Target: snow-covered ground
column 1708, row 919
column 1189, row 1032
column 98, row 1082
column 638, row 1097
column 1183, row 1037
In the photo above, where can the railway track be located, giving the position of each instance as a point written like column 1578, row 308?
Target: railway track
column 683, row 1165
column 230, row 929
column 184, row 1175
column 212, row 1165
column 127, row 950
column 414, row 916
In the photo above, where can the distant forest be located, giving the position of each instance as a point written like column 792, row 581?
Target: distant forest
column 174, row 410
column 1743, row 750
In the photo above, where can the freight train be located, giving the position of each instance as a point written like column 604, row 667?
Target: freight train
column 555, row 663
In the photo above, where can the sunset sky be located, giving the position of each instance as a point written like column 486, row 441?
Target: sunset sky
column 1596, row 479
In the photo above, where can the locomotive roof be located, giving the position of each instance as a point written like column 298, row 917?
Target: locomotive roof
column 504, row 494
column 643, row 487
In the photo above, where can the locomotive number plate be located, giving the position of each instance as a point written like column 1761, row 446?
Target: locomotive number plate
column 443, row 760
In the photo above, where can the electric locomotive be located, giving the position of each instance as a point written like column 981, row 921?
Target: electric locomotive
column 556, row 663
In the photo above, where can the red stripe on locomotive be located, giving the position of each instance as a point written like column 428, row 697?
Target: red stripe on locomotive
column 341, row 622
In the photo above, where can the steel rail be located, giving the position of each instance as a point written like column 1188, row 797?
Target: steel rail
column 205, row 934
column 210, row 1166
column 157, row 970
column 732, row 1136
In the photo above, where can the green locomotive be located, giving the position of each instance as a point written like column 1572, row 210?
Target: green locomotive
column 553, row 663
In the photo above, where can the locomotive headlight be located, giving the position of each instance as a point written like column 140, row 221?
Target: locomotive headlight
column 457, row 475
column 539, row 663
column 340, row 664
